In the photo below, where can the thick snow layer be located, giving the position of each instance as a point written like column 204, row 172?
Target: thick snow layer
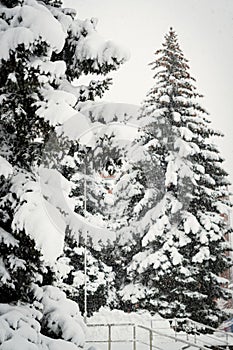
column 76, row 127
column 133, row 292
column 54, row 69
column 61, row 16
column 57, row 106
column 106, row 316
column 178, row 168
column 80, row 226
column 107, row 112
column 176, row 116
column 154, row 213
column 12, row 38
column 42, row 23
column 7, row 238
column 123, row 133
column 203, row 254
column 121, row 120
column 165, row 99
column 5, row 168
column 57, row 344
column 186, row 133
column 58, row 95
column 31, row 22
column 4, row 274
column 175, row 256
column 97, row 119
column 56, row 112
column 56, row 189
column 185, row 148
column 34, row 213
column 62, row 316
column 156, row 229
column 94, row 47
column 19, row 328
column 20, row 325
column 191, row 224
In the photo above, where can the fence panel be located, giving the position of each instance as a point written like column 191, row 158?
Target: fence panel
column 137, row 337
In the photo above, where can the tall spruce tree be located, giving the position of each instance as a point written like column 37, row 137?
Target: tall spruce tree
column 184, row 235
column 43, row 47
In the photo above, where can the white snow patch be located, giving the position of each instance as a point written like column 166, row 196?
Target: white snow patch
column 107, row 112
column 6, row 168
column 62, row 316
column 57, row 106
column 191, row 224
column 203, row 254
column 41, row 220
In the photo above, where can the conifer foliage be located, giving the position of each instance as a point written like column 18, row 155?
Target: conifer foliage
column 43, row 46
column 155, row 237
column 183, row 246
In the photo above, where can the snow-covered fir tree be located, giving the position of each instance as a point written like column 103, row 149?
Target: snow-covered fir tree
column 43, row 46
column 183, row 252
column 99, row 276
column 101, row 163
column 86, row 168
column 126, row 193
column 133, row 195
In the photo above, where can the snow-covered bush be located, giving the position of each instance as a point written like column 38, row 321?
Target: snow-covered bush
column 51, row 322
column 20, row 328
column 61, row 318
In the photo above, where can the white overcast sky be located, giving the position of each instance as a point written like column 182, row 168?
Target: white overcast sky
column 205, row 32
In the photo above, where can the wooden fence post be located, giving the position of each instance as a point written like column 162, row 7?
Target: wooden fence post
column 109, row 337
column 151, row 339
column 134, row 338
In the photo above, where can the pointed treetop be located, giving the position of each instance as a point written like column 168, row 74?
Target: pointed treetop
column 171, row 59
column 171, row 37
